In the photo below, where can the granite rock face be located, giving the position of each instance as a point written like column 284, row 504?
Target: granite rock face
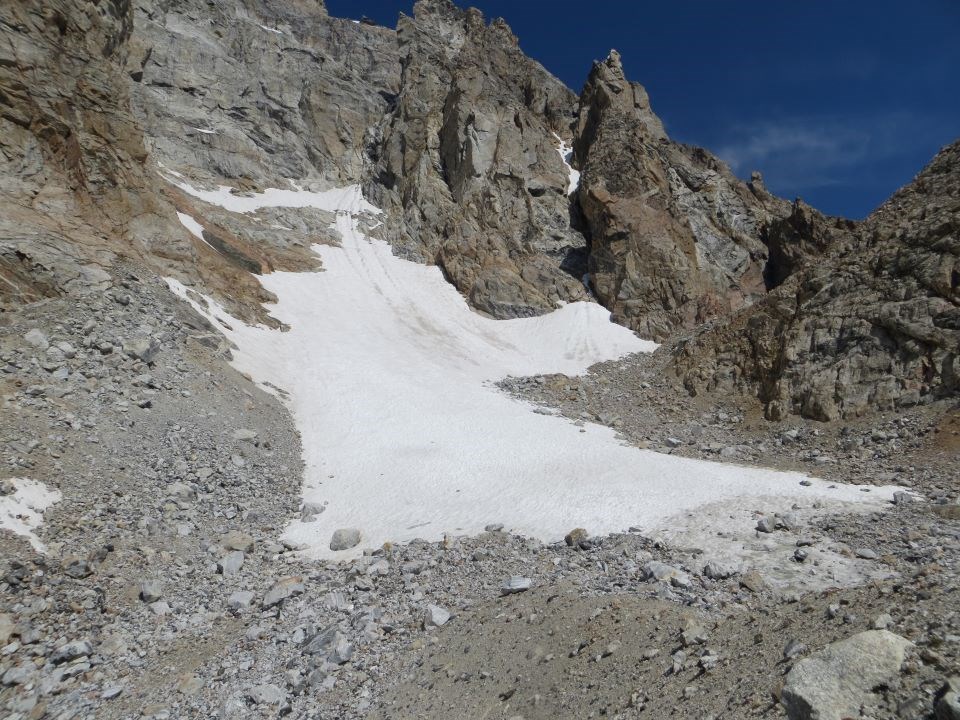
column 675, row 238
column 873, row 324
column 469, row 164
column 260, row 92
column 73, row 183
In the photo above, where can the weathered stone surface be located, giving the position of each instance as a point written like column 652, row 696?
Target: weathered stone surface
column 872, row 325
column 834, row 682
column 469, row 166
column 675, row 237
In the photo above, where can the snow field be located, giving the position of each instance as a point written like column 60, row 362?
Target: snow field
column 391, row 379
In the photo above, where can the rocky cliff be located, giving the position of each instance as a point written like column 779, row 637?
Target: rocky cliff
column 873, row 324
column 111, row 111
column 469, row 163
column 675, row 238
column 74, row 185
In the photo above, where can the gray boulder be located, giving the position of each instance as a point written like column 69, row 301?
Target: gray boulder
column 834, row 682
column 344, row 539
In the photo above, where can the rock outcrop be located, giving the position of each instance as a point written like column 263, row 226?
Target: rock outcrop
column 874, row 324
column 675, row 238
column 73, row 184
column 469, row 164
column 260, row 92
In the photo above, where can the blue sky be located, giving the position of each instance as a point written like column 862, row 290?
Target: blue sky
column 839, row 102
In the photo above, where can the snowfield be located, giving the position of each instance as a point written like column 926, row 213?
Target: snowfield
column 391, row 379
column 21, row 511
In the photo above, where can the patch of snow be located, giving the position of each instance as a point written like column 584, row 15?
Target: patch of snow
column 270, row 30
column 205, row 131
column 22, row 511
column 195, row 228
column 566, row 154
column 346, row 199
column 390, row 378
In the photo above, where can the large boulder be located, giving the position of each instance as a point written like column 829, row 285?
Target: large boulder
column 833, row 683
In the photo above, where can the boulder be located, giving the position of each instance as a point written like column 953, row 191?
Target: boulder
column 834, row 682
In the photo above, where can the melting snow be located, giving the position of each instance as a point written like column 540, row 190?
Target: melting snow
column 390, row 380
column 195, row 228
column 566, row 154
column 22, row 511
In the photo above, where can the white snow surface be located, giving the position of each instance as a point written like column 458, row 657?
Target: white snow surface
column 566, row 154
column 22, row 512
column 346, row 199
column 391, row 376
column 195, row 228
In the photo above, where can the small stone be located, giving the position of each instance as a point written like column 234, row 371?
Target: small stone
column 673, row 442
column 765, row 525
column 902, row 498
column 435, row 616
column 494, row 527
column 266, row 695
column 344, row 539
column 244, row 435
column 753, row 582
column 882, row 622
column 946, row 704
column 283, row 589
column 515, row 584
column 111, row 691
column 160, row 608
column 793, row 648
column 800, row 555
column 71, row 651
column 143, row 349
column 240, row 600
column 577, row 538
column 865, row 554
column 37, row 338
column 231, row 563
column 150, row 591
column 717, row 571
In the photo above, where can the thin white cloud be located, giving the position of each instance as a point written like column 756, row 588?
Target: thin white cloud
column 802, row 153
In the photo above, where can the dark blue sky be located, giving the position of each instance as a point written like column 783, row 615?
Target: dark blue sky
column 839, row 102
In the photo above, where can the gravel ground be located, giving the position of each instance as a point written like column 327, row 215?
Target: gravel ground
column 165, row 591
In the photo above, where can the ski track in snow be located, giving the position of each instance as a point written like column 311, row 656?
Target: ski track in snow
column 22, row 511
column 390, row 376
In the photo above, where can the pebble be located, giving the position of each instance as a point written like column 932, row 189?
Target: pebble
column 515, row 584
column 150, row 591
column 344, row 539
column 435, row 616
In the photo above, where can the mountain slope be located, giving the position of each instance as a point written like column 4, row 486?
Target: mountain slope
column 873, row 324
